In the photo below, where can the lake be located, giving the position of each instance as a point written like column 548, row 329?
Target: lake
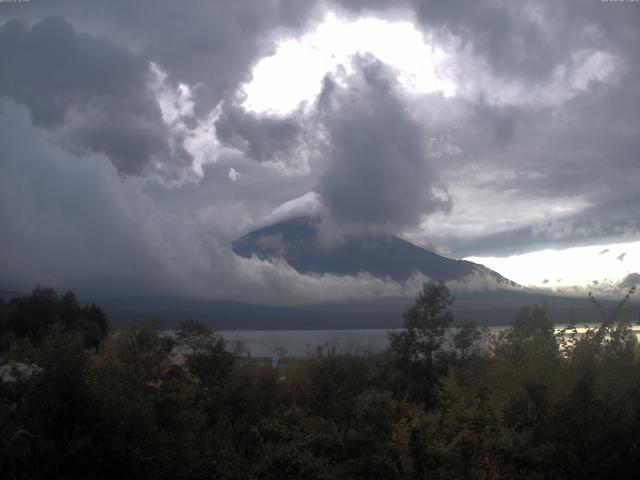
column 295, row 343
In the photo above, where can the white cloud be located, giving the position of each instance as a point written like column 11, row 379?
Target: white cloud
column 197, row 136
column 233, row 174
column 175, row 103
column 309, row 204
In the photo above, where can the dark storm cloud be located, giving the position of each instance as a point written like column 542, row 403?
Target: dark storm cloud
column 566, row 141
column 567, row 134
column 378, row 175
column 73, row 222
column 500, row 32
column 94, row 88
column 93, row 92
column 603, row 223
column 499, row 125
column 373, row 167
column 209, row 43
column 262, row 138
column 525, row 40
column 67, row 221
column 586, row 151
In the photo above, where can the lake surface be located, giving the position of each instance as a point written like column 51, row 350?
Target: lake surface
column 262, row 343
column 295, row 343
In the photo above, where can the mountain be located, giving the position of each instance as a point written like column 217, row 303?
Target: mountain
column 382, row 255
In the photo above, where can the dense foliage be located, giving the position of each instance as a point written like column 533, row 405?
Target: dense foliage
column 527, row 403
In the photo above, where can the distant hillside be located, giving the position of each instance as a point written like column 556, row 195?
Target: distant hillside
column 489, row 308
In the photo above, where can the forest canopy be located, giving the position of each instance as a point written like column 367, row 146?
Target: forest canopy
column 443, row 401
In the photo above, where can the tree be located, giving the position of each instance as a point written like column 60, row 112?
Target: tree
column 36, row 316
column 55, row 404
column 194, row 335
column 425, row 324
column 418, row 347
column 466, row 342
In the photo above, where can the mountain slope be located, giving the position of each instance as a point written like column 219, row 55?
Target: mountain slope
column 381, row 255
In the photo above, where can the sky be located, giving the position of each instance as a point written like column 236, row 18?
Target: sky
column 139, row 138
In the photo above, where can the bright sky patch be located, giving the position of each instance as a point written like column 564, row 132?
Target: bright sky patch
column 294, row 73
column 579, row 266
